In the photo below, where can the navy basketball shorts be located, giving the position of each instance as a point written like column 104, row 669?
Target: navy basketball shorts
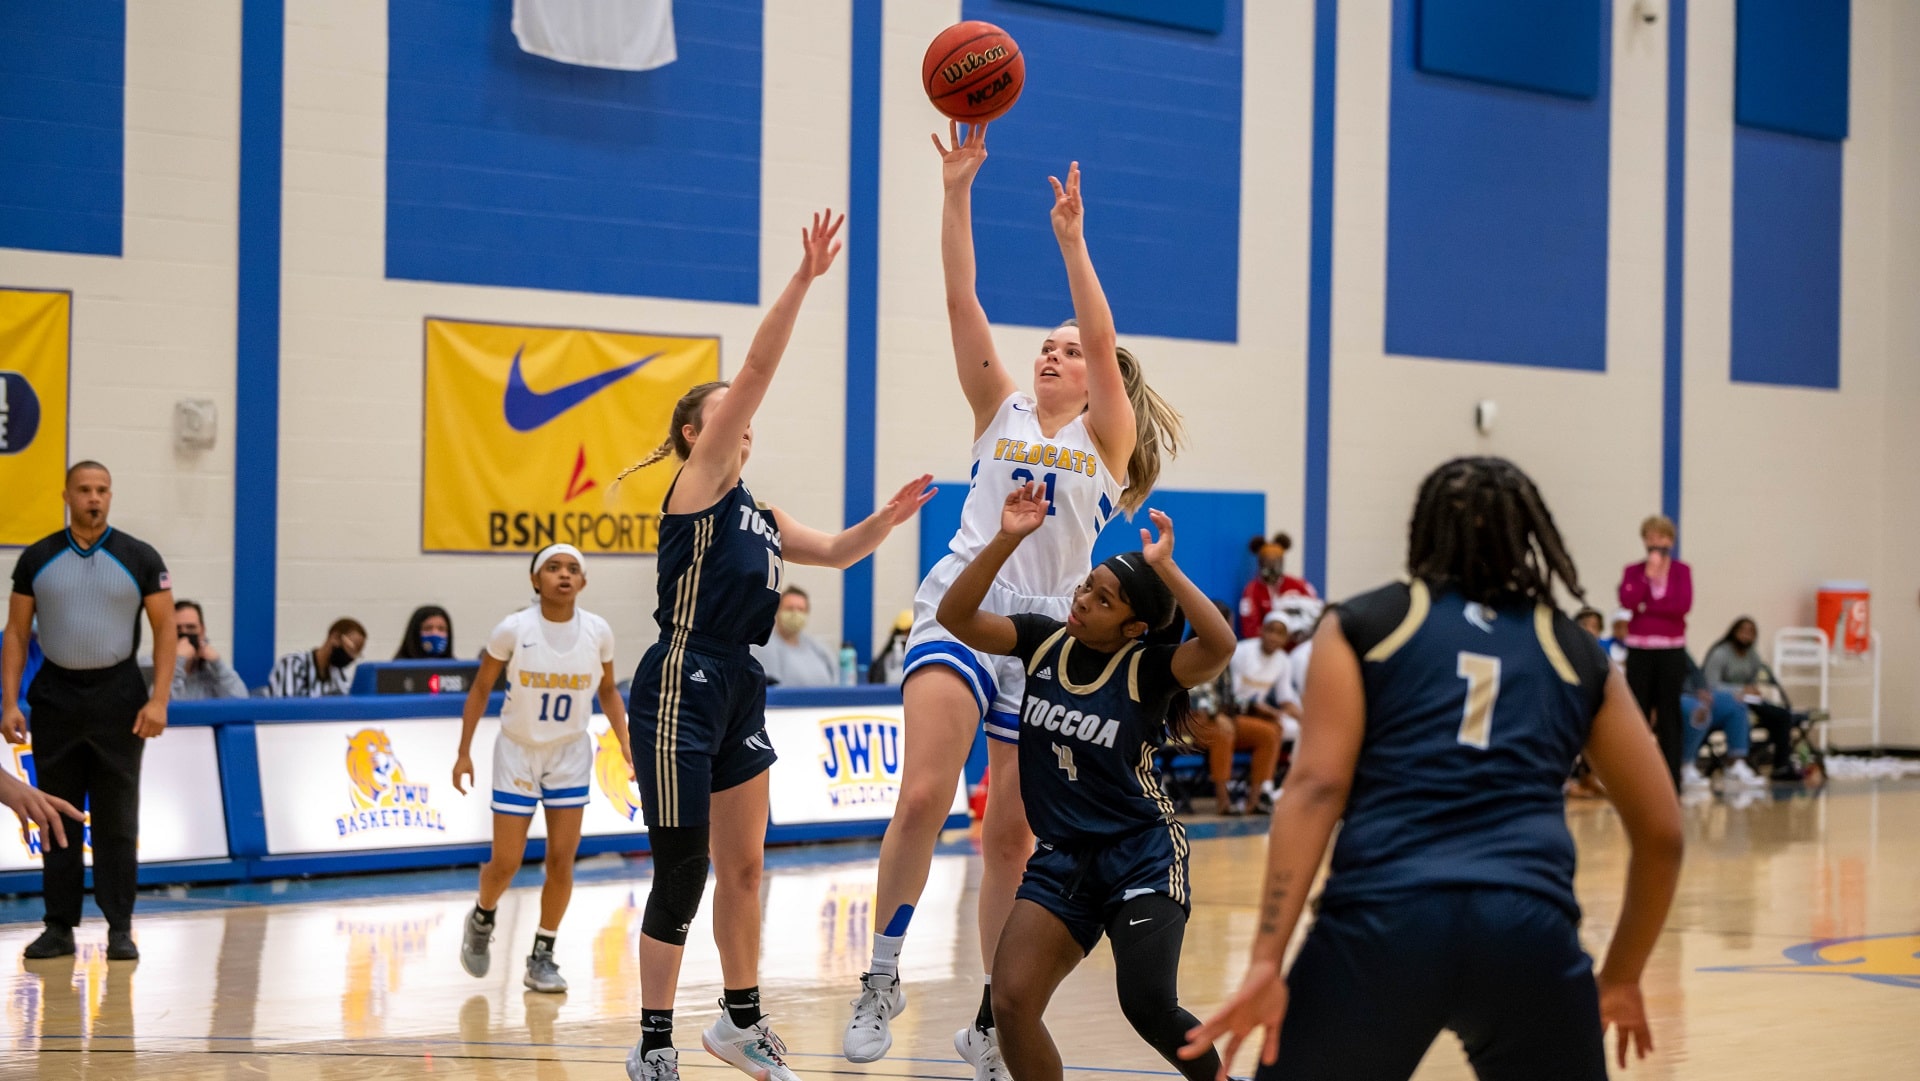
column 1375, row 983
column 1085, row 887
column 698, row 719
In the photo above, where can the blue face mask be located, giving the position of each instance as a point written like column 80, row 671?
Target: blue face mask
column 435, row 644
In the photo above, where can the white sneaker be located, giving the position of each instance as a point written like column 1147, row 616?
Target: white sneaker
column 754, row 1050
column 869, row 1036
column 659, row 1065
column 1741, row 775
column 543, row 974
column 1690, row 777
column 981, row 1049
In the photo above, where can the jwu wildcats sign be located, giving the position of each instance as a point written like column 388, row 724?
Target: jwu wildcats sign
column 526, row 428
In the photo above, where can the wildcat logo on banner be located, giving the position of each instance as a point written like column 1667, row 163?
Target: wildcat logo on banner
column 35, row 329
column 382, row 797
column 526, row 428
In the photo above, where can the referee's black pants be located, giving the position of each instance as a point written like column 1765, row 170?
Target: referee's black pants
column 1658, row 678
column 85, row 752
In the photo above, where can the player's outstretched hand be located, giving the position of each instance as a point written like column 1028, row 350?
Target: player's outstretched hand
column 35, row 807
column 1159, row 552
column 463, row 767
column 1069, row 214
column 1261, row 1002
column 908, row 500
column 819, row 244
column 960, row 164
column 1025, row 511
column 1621, row 1007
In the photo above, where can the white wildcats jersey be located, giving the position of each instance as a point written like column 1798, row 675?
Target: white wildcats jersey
column 1084, row 492
column 553, row 673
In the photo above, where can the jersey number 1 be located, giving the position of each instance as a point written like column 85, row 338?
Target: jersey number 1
column 776, row 569
column 1482, row 674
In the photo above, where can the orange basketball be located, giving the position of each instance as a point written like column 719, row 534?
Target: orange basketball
column 973, row 72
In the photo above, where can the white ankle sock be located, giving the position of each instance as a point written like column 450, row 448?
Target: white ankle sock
column 886, row 954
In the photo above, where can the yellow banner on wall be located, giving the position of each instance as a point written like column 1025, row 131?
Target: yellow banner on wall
column 526, row 427
column 35, row 332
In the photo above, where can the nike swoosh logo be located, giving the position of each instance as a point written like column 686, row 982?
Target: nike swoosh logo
column 528, row 409
column 1136, row 923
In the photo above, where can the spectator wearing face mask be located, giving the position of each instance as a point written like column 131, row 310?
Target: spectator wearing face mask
column 316, row 673
column 1272, row 583
column 200, row 673
column 793, row 659
column 429, row 635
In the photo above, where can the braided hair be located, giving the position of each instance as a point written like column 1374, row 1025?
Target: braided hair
column 688, row 410
column 1481, row 528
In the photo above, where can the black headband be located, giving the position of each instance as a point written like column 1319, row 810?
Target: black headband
column 1145, row 593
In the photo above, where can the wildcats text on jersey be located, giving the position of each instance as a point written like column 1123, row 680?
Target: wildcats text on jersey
column 558, row 681
column 1047, row 454
column 1085, row 727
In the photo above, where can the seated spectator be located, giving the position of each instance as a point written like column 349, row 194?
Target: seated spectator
column 429, row 635
column 200, row 673
column 1263, row 691
column 1735, row 668
column 1272, row 583
column 793, row 659
column 1616, row 643
column 1591, row 621
column 1217, row 730
column 1301, row 613
column 1713, row 709
column 318, row 672
column 890, row 660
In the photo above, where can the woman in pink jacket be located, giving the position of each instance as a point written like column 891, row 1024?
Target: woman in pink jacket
column 1659, row 593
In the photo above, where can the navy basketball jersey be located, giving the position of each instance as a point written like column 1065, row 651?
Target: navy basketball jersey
column 1474, row 716
column 720, row 571
column 1088, row 730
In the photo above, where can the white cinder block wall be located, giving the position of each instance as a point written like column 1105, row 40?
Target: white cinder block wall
column 157, row 324
column 352, row 344
column 1781, row 487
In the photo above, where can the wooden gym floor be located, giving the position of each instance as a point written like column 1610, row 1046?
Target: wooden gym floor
column 360, row 978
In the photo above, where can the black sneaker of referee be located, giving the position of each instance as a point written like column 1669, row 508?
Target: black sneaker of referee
column 55, row 941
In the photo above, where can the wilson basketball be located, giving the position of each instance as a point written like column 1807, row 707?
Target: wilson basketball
column 973, row 72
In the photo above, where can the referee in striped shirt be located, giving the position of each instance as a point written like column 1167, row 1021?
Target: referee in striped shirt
column 92, row 713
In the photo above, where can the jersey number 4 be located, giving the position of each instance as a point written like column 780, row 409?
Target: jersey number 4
column 1482, row 674
column 1065, row 755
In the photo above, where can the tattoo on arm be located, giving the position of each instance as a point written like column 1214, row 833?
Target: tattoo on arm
column 1276, row 898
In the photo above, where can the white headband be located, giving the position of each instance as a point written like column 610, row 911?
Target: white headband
column 540, row 558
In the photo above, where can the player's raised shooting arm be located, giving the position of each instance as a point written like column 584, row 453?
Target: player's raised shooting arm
column 983, row 379
column 1109, row 410
column 714, row 465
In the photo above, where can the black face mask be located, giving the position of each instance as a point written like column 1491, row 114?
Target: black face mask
column 339, row 658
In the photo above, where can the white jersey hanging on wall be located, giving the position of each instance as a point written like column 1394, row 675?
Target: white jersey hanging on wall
column 632, row 35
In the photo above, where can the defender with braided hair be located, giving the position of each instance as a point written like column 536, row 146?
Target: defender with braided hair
column 1442, row 715
column 1092, row 435
column 698, row 710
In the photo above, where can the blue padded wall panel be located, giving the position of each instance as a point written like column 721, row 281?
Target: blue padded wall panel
column 1790, row 66
column 1786, row 259
column 1496, row 218
column 1207, row 16
column 62, row 126
column 1213, row 528
column 505, row 168
column 1153, row 117
column 1550, row 47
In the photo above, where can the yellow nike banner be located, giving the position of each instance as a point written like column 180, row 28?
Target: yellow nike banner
column 35, row 329
column 526, row 428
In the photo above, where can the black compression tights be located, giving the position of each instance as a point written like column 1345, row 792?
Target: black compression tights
column 1146, row 935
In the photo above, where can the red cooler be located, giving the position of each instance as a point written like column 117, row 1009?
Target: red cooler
column 1843, row 614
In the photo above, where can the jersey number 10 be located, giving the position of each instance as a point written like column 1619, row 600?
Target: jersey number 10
column 562, row 707
column 1482, row 674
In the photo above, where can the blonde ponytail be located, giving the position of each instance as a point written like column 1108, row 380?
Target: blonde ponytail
column 1158, row 432
column 685, row 411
